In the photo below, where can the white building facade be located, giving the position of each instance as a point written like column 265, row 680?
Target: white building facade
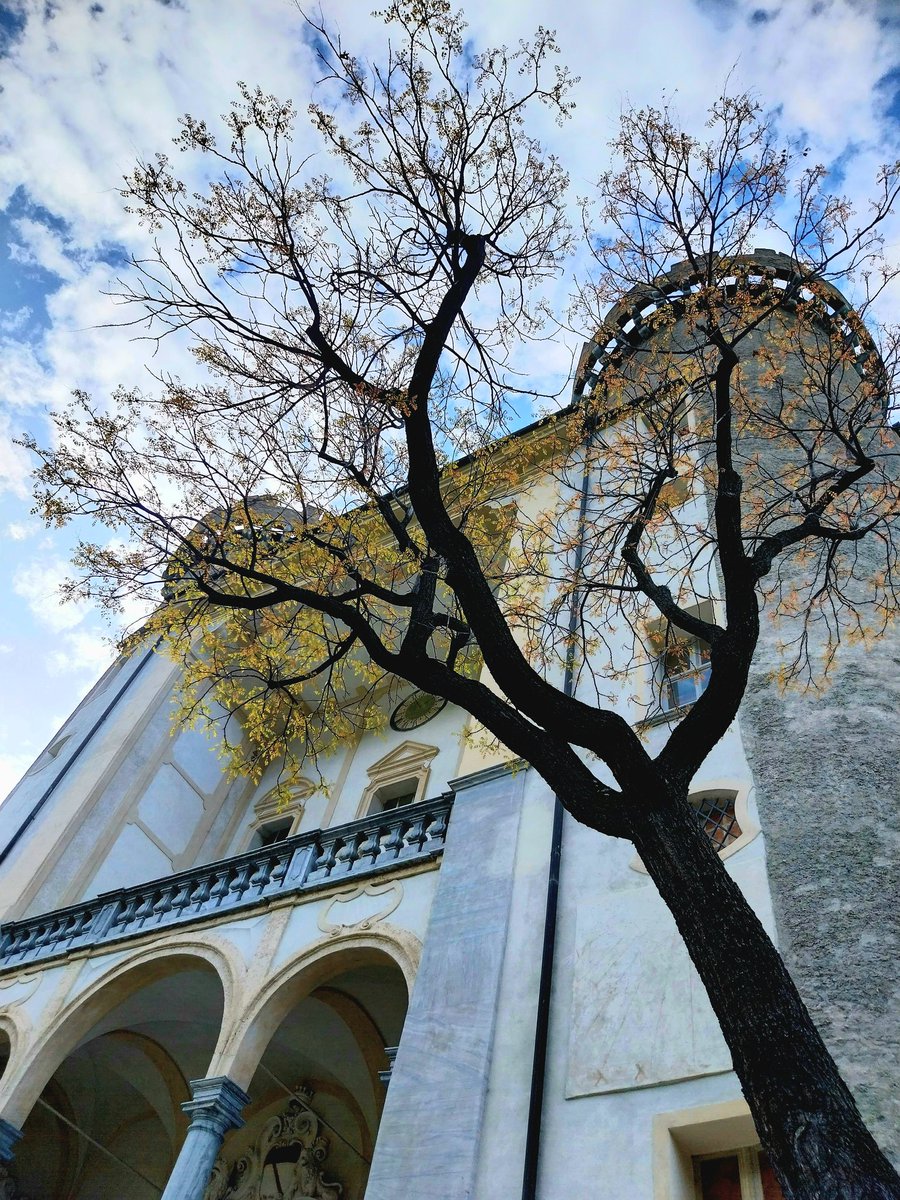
column 206, row 994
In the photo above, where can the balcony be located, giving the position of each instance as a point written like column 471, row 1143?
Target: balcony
column 305, row 863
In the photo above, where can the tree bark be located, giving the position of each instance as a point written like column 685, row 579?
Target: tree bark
column 804, row 1113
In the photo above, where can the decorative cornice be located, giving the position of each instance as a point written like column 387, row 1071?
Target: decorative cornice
column 488, row 775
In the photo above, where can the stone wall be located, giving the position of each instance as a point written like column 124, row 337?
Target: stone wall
column 825, row 768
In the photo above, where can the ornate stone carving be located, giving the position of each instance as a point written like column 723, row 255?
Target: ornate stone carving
column 386, row 896
column 285, row 1162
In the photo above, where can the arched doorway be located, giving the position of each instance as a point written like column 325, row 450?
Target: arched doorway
column 109, row 1121
column 318, row 1090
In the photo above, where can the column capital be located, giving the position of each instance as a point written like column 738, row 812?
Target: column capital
column 9, row 1135
column 216, row 1104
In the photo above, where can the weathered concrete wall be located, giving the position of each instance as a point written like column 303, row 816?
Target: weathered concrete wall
column 826, row 776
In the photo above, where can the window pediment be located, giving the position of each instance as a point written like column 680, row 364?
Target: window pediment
column 403, row 770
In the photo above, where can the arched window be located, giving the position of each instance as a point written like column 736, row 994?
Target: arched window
column 724, row 814
column 717, row 812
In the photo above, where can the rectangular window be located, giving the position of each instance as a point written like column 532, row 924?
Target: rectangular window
column 270, row 833
column 683, row 673
column 394, row 795
column 743, row 1175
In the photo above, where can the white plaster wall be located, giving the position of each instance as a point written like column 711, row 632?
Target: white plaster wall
column 632, row 1033
column 137, row 803
column 40, row 871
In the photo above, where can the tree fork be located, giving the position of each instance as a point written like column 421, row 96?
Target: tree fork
column 803, row 1111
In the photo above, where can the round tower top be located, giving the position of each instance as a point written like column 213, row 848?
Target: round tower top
column 627, row 322
column 262, row 519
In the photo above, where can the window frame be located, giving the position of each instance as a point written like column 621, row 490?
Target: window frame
column 742, row 792
column 270, row 808
column 408, row 762
column 685, row 1135
column 287, row 819
column 659, row 638
column 749, row 1174
column 666, row 681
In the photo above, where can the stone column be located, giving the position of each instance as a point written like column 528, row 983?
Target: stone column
column 215, row 1108
column 9, row 1135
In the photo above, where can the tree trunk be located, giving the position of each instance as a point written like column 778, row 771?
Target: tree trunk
column 804, row 1113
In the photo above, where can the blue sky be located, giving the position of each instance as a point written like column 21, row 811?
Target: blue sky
column 89, row 87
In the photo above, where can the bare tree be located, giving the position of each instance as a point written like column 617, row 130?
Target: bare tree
column 332, row 516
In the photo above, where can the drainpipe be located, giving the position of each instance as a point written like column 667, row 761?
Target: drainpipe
column 48, row 792
column 542, row 1018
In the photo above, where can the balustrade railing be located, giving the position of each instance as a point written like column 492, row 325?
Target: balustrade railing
column 306, row 862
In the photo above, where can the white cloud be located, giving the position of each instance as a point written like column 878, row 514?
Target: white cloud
column 41, row 246
column 15, row 466
column 14, row 322
column 18, row 531
column 81, row 651
column 38, row 583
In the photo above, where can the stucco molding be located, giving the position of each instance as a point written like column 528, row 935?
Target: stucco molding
column 17, row 1027
column 391, row 893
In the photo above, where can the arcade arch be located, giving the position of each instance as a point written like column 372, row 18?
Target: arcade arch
column 115, row 1070
column 311, row 1055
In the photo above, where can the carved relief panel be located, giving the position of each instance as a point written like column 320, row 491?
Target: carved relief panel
column 284, row 1163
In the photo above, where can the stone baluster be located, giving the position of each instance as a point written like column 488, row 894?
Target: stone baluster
column 219, row 889
column 393, row 843
column 145, row 907
column 279, row 867
column 214, row 1109
column 416, row 835
column 349, row 852
column 201, row 892
column 327, row 859
column 164, row 904
column 371, row 847
column 438, row 827
column 262, row 875
column 240, row 882
column 182, row 897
